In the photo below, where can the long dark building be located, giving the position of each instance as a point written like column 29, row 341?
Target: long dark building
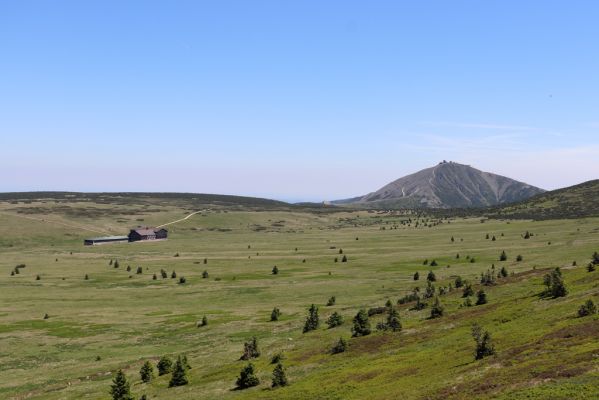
column 105, row 239
column 146, row 233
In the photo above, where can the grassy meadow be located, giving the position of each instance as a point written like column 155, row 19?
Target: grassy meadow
column 118, row 319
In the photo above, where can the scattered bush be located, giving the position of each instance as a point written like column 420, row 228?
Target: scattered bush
column 416, row 276
column 250, row 350
column 555, row 284
column 519, row 258
column 312, row 321
column 275, row 314
column 361, row 324
column 335, row 319
column 339, row 347
column 468, row 291
column 164, row 366
column 120, row 388
column 182, row 280
column 277, row 358
column 179, row 377
column 392, row 322
column 331, row 302
column 279, row 378
column 588, row 308
column 459, row 282
column 431, row 277
column 173, row 275
column 205, row 275
column 247, row 377
column 275, row 270
column 481, row 297
column 430, row 290
column 484, row 345
column 146, row 372
column 434, row 263
column 437, row 309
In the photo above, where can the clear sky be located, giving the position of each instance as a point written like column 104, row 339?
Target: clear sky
column 295, row 100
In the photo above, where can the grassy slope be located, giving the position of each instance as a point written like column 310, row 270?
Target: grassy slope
column 543, row 351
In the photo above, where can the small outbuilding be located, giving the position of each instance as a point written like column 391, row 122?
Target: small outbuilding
column 141, row 234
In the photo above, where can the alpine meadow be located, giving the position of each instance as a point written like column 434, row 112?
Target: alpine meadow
column 72, row 315
column 299, row 200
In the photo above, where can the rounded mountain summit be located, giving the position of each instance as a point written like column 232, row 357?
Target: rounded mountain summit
column 446, row 185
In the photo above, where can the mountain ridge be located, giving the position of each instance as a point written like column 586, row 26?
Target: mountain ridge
column 446, row 185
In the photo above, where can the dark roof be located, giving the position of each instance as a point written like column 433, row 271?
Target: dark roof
column 147, row 231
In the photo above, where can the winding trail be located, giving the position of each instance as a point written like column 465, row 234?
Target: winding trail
column 182, row 219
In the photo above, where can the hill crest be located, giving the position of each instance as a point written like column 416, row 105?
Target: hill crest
column 447, row 185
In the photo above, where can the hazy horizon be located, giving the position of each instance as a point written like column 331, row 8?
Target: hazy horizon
column 298, row 102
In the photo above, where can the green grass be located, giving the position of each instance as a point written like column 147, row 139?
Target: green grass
column 544, row 351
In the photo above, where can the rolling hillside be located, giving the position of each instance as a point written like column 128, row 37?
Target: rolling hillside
column 576, row 201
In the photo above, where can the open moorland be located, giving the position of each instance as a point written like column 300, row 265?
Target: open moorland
column 73, row 315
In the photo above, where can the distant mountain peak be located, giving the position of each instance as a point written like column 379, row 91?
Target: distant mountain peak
column 447, row 185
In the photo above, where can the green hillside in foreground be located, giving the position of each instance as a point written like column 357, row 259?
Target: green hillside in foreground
column 119, row 318
column 572, row 202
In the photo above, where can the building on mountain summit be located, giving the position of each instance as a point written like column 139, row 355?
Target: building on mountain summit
column 145, row 233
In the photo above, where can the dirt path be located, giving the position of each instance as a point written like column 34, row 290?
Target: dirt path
column 182, row 219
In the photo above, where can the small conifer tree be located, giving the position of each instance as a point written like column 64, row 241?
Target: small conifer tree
column 459, row 282
column 503, row 256
column 120, row 388
column 179, row 377
column 339, row 347
column 431, row 276
column 416, row 276
column 481, row 297
column 437, row 309
column 279, row 378
column 335, row 319
column 247, row 377
column 275, row 270
column 468, row 291
column 250, row 349
column 344, row 259
column 275, row 314
column 164, row 366
column 312, row 321
column 588, row 308
column 332, row 300
column 484, row 345
column 146, row 372
column 205, row 275
column 361, row 325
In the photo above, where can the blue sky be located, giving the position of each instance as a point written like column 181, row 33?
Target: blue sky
column 296, row 100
